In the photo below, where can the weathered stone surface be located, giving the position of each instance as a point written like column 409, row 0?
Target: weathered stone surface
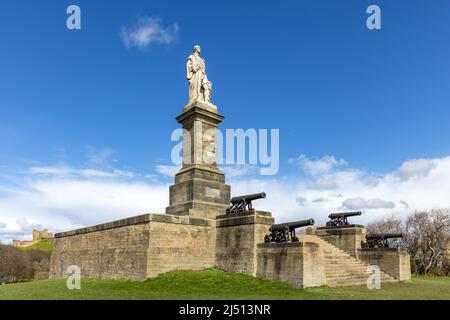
column 299, row 263
column 347, row 238
column 312, row 262
column 144, row 246
column 199, row 188
column 180, row 246
column 137, row 247
column 237, row 238
column 393, row 261
column 112, row 253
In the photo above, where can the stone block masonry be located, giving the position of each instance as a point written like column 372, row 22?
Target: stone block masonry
column 237, row 239
column 189, row 244
column 136, row 248
column 145, row 246
column 298, row 263
column 348, row 238
column 393, row 261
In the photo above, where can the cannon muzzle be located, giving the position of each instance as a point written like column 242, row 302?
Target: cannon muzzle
column 284, row 232
column 379, row 240
column 291, row 225
column 244, row 203
column 249, row 197
column 344, row 214
column 384, row 235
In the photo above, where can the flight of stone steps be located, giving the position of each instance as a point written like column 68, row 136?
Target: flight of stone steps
column 340, row 267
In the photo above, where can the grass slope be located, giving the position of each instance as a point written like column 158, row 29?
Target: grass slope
column 214, row 284
column 45, row 245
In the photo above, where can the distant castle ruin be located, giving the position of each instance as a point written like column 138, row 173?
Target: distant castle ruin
column 38, row 236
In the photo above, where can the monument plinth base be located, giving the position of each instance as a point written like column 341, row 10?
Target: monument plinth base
column 237, row 237
column 393, row 261
column 298, row 263
column 199, row 191
column 347, row 238
column 201, row 104
column 199, row 188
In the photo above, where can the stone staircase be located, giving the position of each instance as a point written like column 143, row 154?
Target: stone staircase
column 341, row 269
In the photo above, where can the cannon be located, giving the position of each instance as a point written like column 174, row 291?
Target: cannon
column 379, row 240
column 285, row 232
column 340, row 219
column 244, row 203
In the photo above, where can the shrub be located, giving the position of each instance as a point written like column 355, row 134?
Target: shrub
column 17, row 265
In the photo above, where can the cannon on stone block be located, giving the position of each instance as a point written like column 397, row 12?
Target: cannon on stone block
column 379, row 240
column 244, row 203
column 285, row 232
column 340, row 219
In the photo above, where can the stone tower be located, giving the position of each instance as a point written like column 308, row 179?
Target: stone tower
column 199, row 188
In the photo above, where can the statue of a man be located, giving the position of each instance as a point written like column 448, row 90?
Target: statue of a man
column 199, row 86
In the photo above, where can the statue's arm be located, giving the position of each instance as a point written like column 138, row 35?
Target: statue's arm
column 189, row 69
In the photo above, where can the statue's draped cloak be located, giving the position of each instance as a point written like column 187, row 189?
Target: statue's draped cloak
column 197, row 78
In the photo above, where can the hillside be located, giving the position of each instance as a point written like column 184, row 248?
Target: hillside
column 214, row 284
column 45, row 245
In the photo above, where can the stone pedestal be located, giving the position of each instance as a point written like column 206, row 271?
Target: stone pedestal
column 393, row 261
column 347, row 238
column 199, row 188
column 237, row 237
column 298, row 263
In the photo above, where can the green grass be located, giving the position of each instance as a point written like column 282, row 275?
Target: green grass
column 45, row 245
column 214, row 284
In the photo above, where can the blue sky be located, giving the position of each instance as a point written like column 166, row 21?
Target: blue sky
column 84, row 100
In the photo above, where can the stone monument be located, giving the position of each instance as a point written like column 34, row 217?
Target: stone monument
column 199, row 188
column 197, row 232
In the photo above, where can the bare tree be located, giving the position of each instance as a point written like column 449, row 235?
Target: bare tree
column 427, row 238
column 14, row 265
column 17, row 265
column 389, row 224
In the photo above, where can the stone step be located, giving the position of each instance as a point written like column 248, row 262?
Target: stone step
column 341, row 268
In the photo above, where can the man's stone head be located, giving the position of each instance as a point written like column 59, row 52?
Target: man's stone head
column 197, row 48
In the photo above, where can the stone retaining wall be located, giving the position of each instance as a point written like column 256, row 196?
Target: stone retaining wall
column 393, row 261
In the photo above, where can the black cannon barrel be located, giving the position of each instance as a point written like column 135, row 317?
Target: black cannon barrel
column 344, row 214
column 384, row 235
column 249, row 197
column 291, row 225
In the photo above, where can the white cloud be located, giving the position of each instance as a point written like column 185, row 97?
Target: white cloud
column 301, row 201
column 323, row 184
column 147, row 31
column 26, row 225
column 359, row 203
column 404, row 203
column 99, row 156
column 63, row 198
column 2, row 225
column 169, row 171
column 73, row 172
column 236, row 171
column 320, row 166
column 293, row 198
column 415, row 168
column 66, row 198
